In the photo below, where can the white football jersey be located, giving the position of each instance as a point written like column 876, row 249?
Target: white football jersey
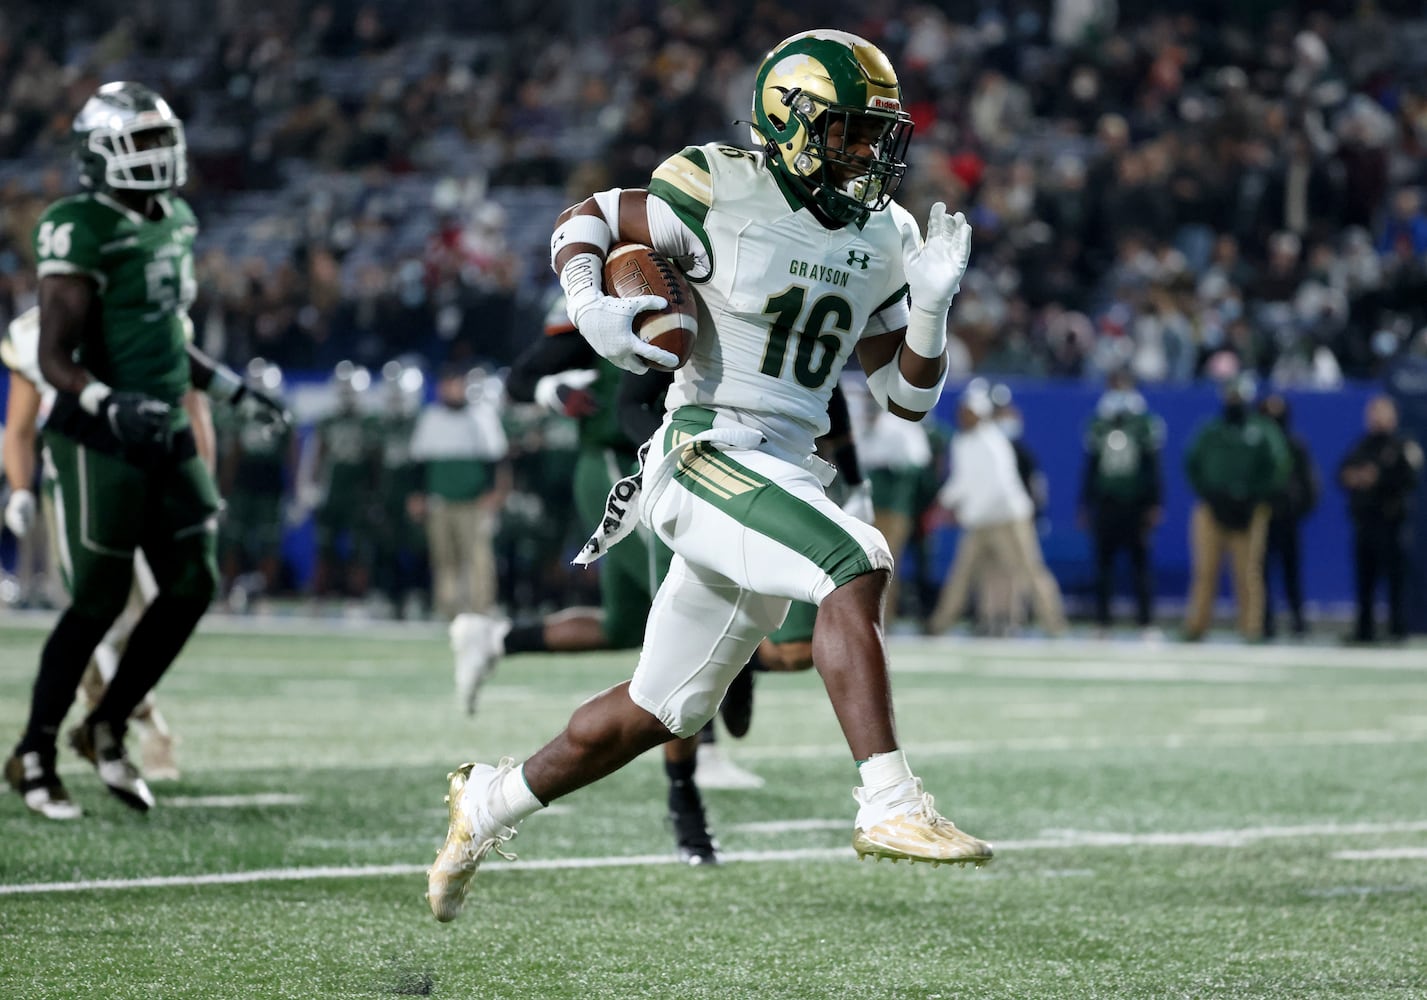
column 782, row 299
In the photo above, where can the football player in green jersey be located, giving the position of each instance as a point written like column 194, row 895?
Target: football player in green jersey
column 797, row 256
column 254, row 455
column 116, row 277
column 400, row 560
column 342, row 480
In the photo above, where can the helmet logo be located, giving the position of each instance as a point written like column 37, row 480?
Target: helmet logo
column 884, row 103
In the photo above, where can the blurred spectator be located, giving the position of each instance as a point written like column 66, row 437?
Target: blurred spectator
column 1121, row 493
column 1289, row 507
column 1236, row 463
column 461, row 446
column 1001, row 598
column 986, row 498
column 1380, row 477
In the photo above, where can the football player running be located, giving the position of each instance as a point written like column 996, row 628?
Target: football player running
column 799, row 256
column 116, row 279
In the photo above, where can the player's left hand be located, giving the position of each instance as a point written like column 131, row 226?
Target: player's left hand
column 859, row 502
column 935, row 266
column 269, row 409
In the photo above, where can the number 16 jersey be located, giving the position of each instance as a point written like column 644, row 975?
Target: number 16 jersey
column 783, row 300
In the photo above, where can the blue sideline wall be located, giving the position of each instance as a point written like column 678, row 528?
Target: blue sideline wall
column 1056, row 415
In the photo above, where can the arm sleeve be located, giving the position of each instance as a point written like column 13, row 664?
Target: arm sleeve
column 549, row 355
column 640, row 403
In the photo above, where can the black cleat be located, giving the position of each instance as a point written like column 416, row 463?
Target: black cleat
column 696, row 846
column 97, row 743
column 32, row 775
column 737, row 707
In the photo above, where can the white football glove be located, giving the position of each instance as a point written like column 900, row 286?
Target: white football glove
column 20, row 513
column 859, row 502
column 606, row 322
column 935, row 266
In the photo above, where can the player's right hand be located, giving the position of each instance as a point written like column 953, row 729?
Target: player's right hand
column 568, row 393
column 607, row 323
column 139, row 421
column 20, row 512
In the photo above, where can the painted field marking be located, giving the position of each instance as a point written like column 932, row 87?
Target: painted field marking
column 233, row 801
column 1055, row 840
column 1384, row 854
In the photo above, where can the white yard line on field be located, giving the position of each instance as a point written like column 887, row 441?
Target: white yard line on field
column 1055, row 840
column 233, row 801
column 1384, row 854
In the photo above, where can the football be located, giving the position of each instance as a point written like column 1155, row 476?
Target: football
column 634, row 269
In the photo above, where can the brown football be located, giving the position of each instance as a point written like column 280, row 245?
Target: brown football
column 634, row 269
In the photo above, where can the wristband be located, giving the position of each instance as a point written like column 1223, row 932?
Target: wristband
column 225, row 385
column 926, row 331
column 583, row 280
column 92, row 397
column 589, row 229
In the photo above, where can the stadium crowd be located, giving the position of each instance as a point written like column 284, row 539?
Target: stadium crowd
column 1149, row 190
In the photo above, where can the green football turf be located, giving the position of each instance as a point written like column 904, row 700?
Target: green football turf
column 1170, row 821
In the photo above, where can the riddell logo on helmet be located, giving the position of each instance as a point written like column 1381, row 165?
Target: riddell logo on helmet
column 885, row 104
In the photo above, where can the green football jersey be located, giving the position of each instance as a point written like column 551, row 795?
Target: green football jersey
column 1123, row 449
column 260, row 450
column 348, row 457
column 144, row 272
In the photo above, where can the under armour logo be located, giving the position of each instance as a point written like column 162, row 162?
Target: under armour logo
column 858, row 257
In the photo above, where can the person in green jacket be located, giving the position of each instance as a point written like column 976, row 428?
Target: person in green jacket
column 1237, row 462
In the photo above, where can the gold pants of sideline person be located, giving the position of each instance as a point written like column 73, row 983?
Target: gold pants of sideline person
column 1013, row 548
column 460, row 536
column 1208, row 541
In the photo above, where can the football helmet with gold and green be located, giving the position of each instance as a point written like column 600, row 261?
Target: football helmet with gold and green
column 827, row 111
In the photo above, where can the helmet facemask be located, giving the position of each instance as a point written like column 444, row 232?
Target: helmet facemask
column 142, row 157
column 853, row 158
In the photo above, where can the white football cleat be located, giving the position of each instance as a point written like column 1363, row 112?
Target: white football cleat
column 478, row 642
column 471, row 834
column 714, row 770
column 904, row 824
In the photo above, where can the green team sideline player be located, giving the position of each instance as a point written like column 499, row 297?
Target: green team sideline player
column 116, row 278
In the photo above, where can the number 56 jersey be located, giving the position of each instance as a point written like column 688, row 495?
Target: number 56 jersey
column 143, row 272
column 783, row 300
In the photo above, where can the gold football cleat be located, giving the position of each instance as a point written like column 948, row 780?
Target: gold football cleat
column 471, row 834
column 920, row 833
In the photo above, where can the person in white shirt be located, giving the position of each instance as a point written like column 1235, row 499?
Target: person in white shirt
column 461, row 446
column 986, row 497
